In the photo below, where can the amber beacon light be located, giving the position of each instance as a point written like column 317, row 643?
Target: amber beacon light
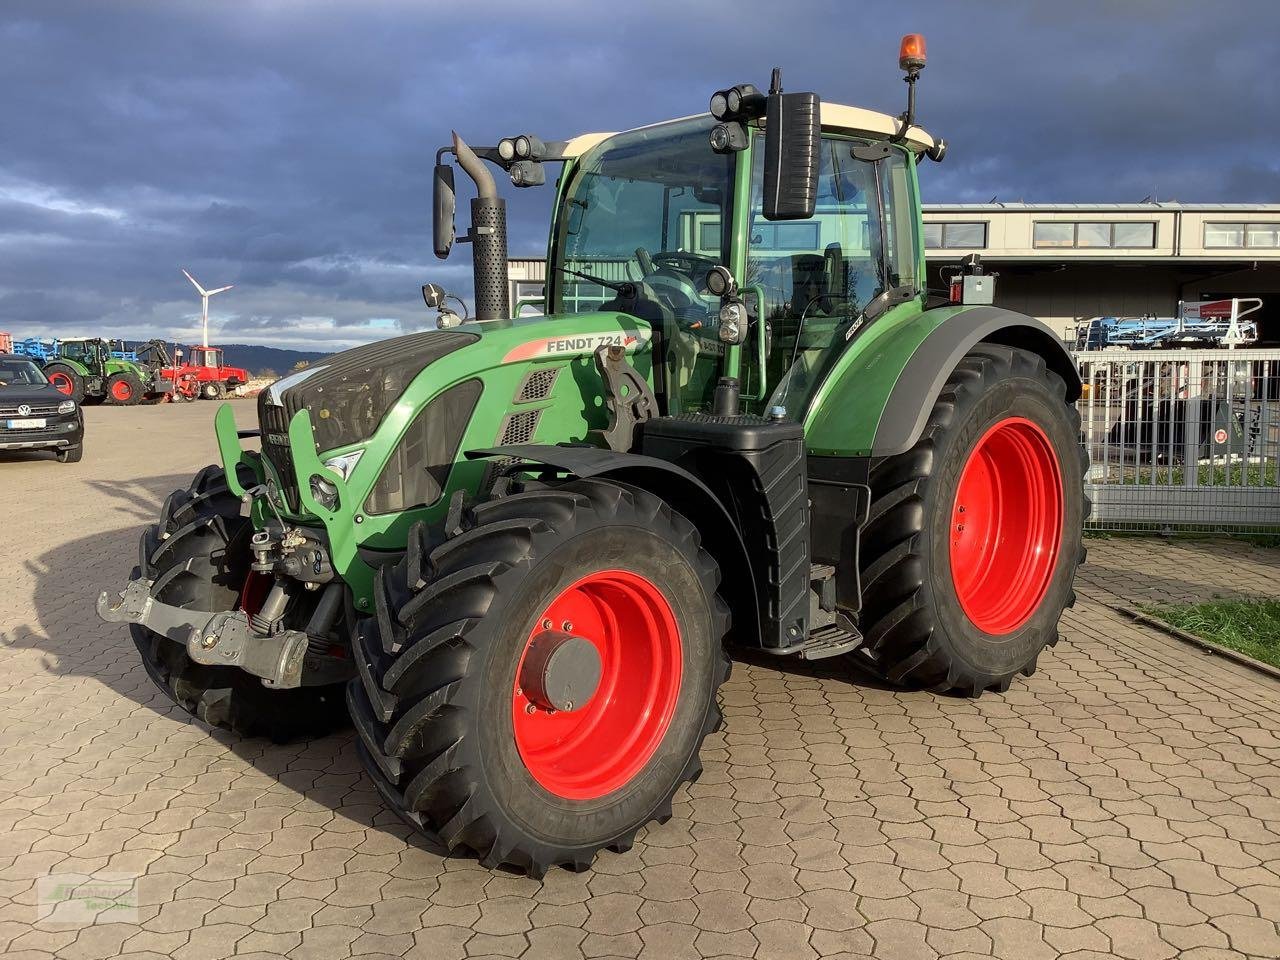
column 911, row 53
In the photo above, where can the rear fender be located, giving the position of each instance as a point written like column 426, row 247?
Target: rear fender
column 878, row 396
column 916, row 389
column 686, row 494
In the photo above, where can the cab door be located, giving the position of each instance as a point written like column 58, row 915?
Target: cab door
column 810, row 282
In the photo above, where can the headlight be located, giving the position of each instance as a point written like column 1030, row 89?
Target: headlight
column 67, row 406
column 326, row 493
column 732, row 322
column 344, row 464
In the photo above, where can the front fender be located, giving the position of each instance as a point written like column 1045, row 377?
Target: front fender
column 685, row 493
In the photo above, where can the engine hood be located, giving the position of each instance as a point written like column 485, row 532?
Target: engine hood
column 349, row 393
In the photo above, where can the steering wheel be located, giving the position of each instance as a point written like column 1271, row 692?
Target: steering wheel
column 678, row 277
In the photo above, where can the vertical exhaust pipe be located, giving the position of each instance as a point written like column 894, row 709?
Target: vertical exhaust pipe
column 488, row 237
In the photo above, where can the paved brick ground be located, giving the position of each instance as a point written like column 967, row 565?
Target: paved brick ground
column 1123, row 802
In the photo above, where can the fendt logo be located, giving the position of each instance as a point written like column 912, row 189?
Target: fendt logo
column 574, row 345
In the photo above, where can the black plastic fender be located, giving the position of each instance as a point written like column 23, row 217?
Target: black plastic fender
column 684, row 492
column 922, row 378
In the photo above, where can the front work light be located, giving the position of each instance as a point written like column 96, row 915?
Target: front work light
column 741, row 102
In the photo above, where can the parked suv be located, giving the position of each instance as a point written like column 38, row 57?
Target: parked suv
column 34, row 414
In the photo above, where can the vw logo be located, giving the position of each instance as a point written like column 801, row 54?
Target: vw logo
column 24, row 410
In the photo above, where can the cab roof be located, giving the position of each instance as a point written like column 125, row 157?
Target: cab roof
column 835, row 117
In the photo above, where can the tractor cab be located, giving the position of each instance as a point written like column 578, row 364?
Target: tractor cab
column 656, row 209
column 92, row 354
column 205, row 357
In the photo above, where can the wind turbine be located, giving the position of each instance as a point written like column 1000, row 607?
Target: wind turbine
column 204, row 303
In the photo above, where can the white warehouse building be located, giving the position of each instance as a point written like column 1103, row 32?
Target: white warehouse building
column 1065, row 263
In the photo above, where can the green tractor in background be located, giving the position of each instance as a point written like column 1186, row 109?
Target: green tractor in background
column 519, row 549
column 87, row 372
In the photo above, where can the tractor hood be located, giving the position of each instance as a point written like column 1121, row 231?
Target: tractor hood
column 348, row 394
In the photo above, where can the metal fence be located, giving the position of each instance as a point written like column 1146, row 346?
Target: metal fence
column 1182, row 439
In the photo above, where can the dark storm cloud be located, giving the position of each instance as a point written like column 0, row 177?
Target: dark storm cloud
column 286, row 146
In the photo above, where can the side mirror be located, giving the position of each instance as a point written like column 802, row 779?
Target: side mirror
column 434, row 295
column 443, row 202
column 792, row 143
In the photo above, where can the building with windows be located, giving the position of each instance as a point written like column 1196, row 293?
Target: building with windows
column 1065, row 263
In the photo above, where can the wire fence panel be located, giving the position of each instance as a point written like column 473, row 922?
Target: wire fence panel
column 1182, row 439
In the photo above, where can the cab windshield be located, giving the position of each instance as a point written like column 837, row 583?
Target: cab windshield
column 652, row 208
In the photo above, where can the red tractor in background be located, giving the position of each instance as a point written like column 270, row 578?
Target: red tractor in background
column 205, row 369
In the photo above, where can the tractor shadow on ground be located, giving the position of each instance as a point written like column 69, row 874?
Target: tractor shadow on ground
column 64, row 629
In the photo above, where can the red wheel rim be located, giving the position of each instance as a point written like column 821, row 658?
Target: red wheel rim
column 62, row 383
column 600, row 746
column 1006, row 526
column 120, row 390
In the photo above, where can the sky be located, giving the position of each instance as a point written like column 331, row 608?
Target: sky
column 286, row 146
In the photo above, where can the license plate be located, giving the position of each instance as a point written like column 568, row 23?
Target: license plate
column 26, row 424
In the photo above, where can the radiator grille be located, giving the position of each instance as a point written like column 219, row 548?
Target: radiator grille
column 37, row 410
column 274, row 422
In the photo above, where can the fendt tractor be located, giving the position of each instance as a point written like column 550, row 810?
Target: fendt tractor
column 86, row 370
column 526, row 545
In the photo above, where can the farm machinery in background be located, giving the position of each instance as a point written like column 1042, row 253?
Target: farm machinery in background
column 1217, row 323
column 92, row 370
column 204, row 372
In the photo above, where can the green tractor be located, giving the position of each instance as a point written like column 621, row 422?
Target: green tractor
column 520, row 550
column 87, row 372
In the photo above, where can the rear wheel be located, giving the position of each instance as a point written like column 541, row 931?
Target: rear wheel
column 124, row 389
column 211, row 390
column 198, row 555
column 539, row 686
column 66, row 381
column 974, row 534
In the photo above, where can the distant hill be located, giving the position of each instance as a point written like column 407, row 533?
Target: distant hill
column 259, row 360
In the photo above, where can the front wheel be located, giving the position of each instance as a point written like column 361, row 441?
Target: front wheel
column 974, row 534
column 539, row 686
column 124, row 389
column 211, row 390
column 71, row 454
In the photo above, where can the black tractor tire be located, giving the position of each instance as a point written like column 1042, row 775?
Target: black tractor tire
column 436, row 702
column 198, row 555
column 917, row 630
column 59, row 374
column 212, row 390
column 123, row 389
column 71, row 454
